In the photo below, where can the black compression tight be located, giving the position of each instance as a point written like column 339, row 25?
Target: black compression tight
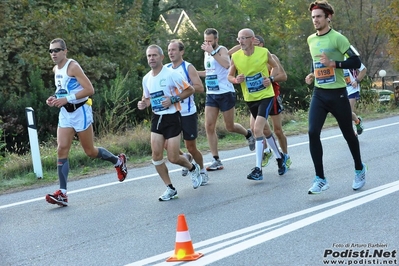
column 334, row 101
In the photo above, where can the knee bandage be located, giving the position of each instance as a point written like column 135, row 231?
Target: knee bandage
column 158, row 162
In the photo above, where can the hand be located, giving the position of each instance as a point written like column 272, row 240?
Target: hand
column 50, row 101
column 207, row 47
column 354, row 84
column 166, row 102
column 240, row 78
column 309, row 78
column 324, row 60
column 266, row 82
column 142, row 104
column 59, row 102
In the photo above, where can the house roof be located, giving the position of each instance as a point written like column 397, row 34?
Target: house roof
column 175, row 20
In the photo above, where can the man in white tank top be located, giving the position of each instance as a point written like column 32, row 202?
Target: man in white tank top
column 353, row 77
column 73, row 89
column 220, row 95
column 189, row 116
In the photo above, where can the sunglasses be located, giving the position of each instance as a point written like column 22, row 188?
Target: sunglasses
column 55, row 50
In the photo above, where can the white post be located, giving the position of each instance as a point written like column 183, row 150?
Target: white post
column 382, row 73
column 34, row 142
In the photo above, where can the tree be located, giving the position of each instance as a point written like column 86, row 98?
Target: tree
column 358, row 20
column 98, row 35
column 388, row 23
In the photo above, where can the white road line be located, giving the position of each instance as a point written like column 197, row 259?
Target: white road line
column 357, row 198
column 290, row 227
column 175, row 170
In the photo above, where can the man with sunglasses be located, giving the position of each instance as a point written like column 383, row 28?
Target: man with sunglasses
column 73, row 89
column 220, row 95
column 251, row 63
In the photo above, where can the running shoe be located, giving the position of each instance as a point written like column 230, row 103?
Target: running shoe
column 256, row 174
column 121, row 169
column 215, row 165
column 282, row 164
column 251, row 141
column 168, row 194
column 359, row 126
column 267, row 155
column 57, row 198
column 319, row 185
column 360, row 178
column 288, row 162
column 184, row 170
column 196, row 176
column 205, row 179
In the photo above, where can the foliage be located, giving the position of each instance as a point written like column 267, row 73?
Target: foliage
column 388, row 23
column 2, row 142
column 368, row 96
column 109, row 38
column 357, row 20
column 116, row 105
column 14, row 117
column 98, row 36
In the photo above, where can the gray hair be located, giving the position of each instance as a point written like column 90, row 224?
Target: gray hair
column 152, row 46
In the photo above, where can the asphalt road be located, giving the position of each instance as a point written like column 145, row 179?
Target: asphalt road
column 232, row 220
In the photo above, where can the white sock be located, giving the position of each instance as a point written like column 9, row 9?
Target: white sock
column 267, row 150
column 259, row 152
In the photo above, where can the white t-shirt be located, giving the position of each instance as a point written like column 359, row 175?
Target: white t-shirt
column 166, row 83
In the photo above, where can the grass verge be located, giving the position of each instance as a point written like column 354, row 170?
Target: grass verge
column 17, row 174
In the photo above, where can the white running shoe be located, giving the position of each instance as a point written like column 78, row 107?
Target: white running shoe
column 184, row 170
column 168, row 194
column 196, row 176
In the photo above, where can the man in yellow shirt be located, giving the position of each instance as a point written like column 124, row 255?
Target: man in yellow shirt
column 251, row 63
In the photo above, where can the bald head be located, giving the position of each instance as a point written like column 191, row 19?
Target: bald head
column 246, row 32
column 245, row 38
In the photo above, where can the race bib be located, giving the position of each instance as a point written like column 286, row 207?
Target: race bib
column 61, row 93
column 212, row 83
column 323, row 74
column 347, row 77
column 254, row 83
column 156, row 99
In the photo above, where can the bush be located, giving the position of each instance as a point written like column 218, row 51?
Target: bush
column 2, row 143
column 116, row 111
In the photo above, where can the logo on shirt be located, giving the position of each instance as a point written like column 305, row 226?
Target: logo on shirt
column 162, row 83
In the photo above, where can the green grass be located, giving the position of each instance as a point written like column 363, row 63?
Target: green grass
column 16, row 172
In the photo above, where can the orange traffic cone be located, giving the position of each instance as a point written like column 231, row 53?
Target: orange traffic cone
column 184, row 249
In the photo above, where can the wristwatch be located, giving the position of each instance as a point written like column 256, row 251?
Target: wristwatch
column 271, row 79
column 213, row 52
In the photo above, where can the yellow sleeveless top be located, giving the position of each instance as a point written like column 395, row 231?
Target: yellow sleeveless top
column 254, row 68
